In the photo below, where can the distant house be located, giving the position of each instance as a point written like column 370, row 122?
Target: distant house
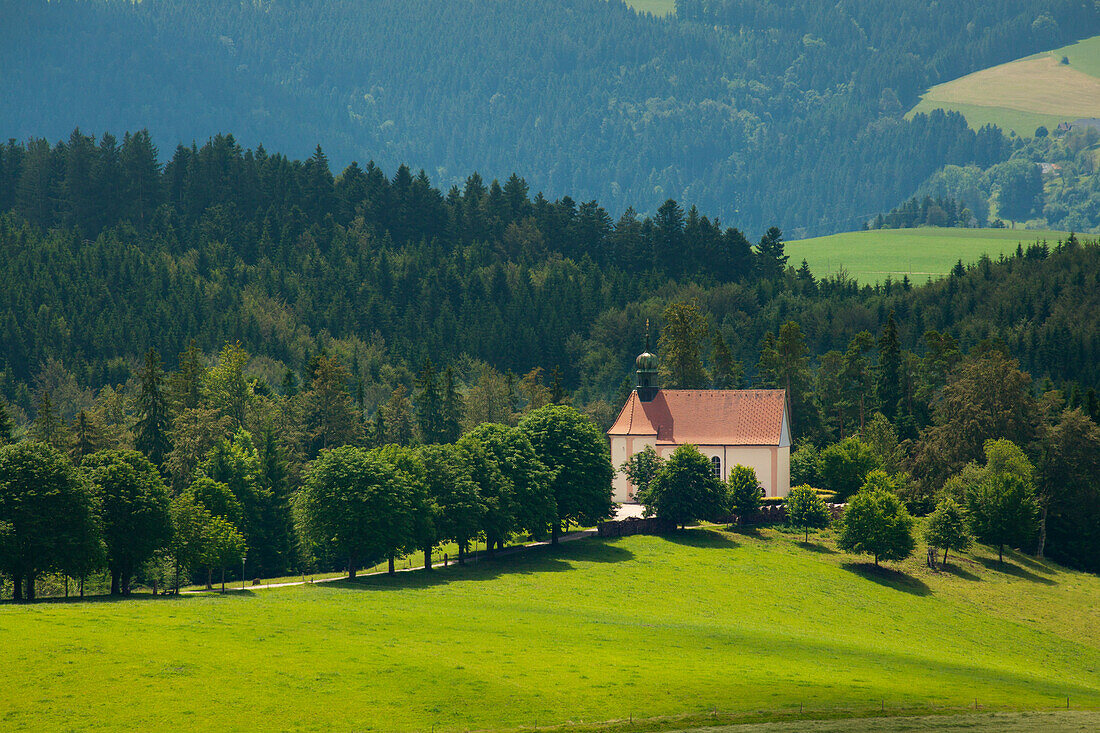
column 749, row 427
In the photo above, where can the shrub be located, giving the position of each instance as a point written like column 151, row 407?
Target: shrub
column 844, row 466
column 744, row 492
column 806, row 510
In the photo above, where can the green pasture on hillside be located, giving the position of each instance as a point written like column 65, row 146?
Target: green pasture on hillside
column 1022, row 95
column 706, row 626
column 656, row 7
column 924, row 253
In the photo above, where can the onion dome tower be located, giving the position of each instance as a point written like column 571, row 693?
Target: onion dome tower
column 646, row 366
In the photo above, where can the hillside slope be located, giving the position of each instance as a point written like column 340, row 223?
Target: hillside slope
column 921, row 254
column 1022, row 95
column 590, row 631
column 757, row 114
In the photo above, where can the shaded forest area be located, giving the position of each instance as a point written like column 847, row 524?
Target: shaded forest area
column 756, row 112
column 104, row 253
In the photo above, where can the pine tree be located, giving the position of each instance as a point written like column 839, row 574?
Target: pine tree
column 681, row 346
column 889, row 368
column 47, row 427
column 187, row 382
column 452, row 408
column 429, row 405
column 87, row 436
column 399, row 418
column 154, row 420
column 728, row 372
column 7, row 425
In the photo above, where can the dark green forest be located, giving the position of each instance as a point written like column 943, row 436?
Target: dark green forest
column 757, row 112
column 231, row 313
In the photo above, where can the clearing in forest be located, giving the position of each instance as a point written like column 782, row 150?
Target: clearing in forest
column 1022, row 95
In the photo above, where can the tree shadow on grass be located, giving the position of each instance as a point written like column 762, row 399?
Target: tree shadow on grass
column 816, row 547
column 533, row 561
column 700, row 538
column 136, row 597
column 957, row 570
column 750, row 531
column 888, row 577
column 1017, row 571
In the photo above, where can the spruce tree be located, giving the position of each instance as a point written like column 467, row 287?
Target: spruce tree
column 429, row 405
column 187, row 382
column 452, row 408
column 47, row 427
column 889, row 368
column 87, row 436
column 7, row 425
column 154, row 419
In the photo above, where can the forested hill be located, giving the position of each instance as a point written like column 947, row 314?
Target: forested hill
column 106, row 252
column 758, row 112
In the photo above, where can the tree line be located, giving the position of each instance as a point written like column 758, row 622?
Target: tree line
column 354, row 506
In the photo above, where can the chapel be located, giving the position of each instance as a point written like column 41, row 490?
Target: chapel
column 750, row 427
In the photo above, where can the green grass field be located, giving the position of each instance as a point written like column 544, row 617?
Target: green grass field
column 922, row 254
column 1023, row 94
column 703, row 628
column 656, row 7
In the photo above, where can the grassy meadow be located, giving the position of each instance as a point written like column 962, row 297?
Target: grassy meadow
column 703, row 628
column 656, row 7
column 1023, row 94
column 923, row 253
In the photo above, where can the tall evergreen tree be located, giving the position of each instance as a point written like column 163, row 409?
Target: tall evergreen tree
column 47, row 427
column 429, row 405
column 681, row 346
column 453, row 408
column 154, row 418
column 7, row 425
column 889, row 368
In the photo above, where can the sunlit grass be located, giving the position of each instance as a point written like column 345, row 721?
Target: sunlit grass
column 746, row 623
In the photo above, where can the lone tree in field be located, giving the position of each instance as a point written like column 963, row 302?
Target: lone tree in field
column 686, row 489
column 877, row 523
column 353, row 504
column 743, row 489
column 806, row 510
column 134, row 508
column 641, row 468
column 47, row 510
column 576, row 453
column 1002, row 505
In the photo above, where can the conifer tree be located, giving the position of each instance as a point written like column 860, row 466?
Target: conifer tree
column 681, row 346
column 47, row 427
column 154, row 420
column 728, row 372
column 889, row 368
column 87, row 436
column 399, row 422
column 187, row 382
column 453, row 408
column 7, row 425
column 429, row 405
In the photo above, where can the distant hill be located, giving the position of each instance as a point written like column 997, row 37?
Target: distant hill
column 1022, row 95
column 920, row 254
column 757, row 112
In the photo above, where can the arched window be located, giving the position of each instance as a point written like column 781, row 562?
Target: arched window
column 716, row 467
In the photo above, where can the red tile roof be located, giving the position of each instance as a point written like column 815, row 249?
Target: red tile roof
column 706, row 416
